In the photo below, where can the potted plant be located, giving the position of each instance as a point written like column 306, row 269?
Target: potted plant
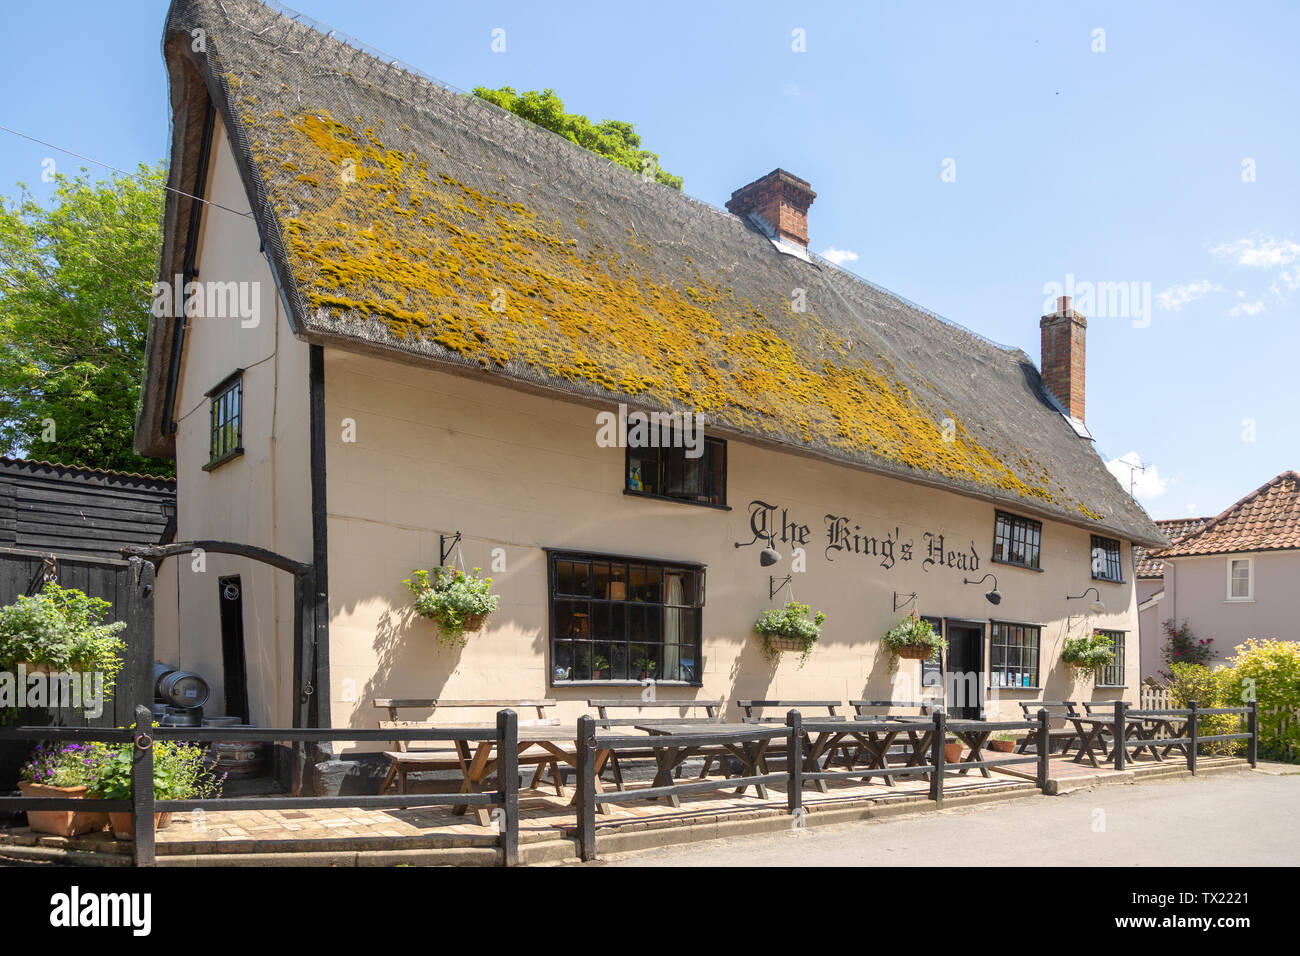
column 914, row 639
column 952, row 750
column 1088, row 654
column 180, row 772
column 61, row 629
column 457, row 602
column 645, row 667
column 61, row 772
column 598, row 666
column 789, row 628
column 1003, row 743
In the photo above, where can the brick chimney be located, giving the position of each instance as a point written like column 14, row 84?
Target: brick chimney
column 781, row 200
column 1063, row 333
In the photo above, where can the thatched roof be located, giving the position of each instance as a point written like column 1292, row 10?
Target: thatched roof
column 408, row 219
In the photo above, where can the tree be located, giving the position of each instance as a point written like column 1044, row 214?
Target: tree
column 75, row 284
column 613, row 139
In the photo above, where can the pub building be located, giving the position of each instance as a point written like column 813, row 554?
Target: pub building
column 454, row 303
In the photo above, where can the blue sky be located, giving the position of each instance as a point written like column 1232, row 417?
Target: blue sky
column 1162, row 152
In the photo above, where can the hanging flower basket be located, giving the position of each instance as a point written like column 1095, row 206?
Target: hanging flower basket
column 790, row 628
column 457, row 602
column 1088, row 655
column 913, row 639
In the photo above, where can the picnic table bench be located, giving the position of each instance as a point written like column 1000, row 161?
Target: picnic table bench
column 1059, row 709
column 1095, row 726
column 669, row 756
column 712, row 715
column 816, row 746
column 541, row 732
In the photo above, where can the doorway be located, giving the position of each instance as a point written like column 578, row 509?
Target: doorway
column 235, row 677
column 965, row 675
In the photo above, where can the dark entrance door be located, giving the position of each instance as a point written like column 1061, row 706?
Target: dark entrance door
column 965, row 670
column 232, row 647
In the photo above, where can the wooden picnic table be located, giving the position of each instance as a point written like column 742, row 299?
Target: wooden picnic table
column 876, row 743
column 551, row 738
column 668, row 757
column 1133, row 727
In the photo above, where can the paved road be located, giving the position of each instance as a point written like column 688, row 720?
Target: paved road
column 1248, row 819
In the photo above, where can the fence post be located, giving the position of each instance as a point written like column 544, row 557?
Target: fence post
column 142, row 788
column 1121, row 752
column 1252, row 725
column 1192, row 735
column 794, row 762
column 508, row 782
column 937, row 756
column 586, row 788
column 1044, row 749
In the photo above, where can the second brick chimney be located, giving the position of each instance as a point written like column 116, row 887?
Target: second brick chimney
column 781, row 200
column 1063, row 334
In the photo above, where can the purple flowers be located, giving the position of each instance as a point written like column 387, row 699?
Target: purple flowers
column 69, row 765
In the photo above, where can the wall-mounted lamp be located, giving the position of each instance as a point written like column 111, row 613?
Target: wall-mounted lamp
column 994, row 596
column 773, row 587
column 168, row 509
column 907, row 599
column 769, row 555
column 1096, row 607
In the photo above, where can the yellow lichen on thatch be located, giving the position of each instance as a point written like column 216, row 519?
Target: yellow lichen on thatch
column 386, row 236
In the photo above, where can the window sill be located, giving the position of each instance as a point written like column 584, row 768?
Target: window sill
column 1025, row 690
column 1110, row 686
column 1109, row 580
column 229, row 456
column 681, row 501
column 1239, row 600
column 1013, row 564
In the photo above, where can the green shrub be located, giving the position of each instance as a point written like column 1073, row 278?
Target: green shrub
column 1268, row 671
column 181, row 771
column 61, row 629
column 1209, row 687
column 1183, row 647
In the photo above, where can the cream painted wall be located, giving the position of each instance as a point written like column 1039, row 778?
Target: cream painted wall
column 436, row 453
column 260, row 498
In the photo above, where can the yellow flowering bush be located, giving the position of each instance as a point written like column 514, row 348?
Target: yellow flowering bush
column 1269, row 670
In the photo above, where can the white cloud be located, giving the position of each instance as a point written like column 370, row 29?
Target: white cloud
column 1246, row 308
column 1177, row 296
column 1146, row 481
column 839, row 256
column 1258, row 252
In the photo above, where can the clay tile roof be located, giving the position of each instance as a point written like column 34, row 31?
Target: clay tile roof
column 1174, row 528
column 1267, row 519
column 395, row 212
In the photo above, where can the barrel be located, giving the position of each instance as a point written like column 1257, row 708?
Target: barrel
column 221, row 722
column 182, row 688
column 239, row 759
column 182, row 717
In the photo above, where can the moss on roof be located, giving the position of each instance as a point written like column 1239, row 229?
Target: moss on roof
column 378, row 231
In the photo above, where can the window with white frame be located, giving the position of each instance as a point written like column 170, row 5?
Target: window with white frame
column 1241, row 579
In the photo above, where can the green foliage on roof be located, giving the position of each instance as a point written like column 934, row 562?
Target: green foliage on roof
column 613, row 139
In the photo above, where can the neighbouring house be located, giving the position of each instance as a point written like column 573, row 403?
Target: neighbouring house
column 1231, row 577
column 1151, row 593
column 450, row 301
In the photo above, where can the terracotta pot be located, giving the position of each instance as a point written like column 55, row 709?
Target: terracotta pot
column 474, row 622
column 916, row 652
column 124, row 830
column 952, row 752
column 61, row 822
column 779, row 643
column 1003, row 746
